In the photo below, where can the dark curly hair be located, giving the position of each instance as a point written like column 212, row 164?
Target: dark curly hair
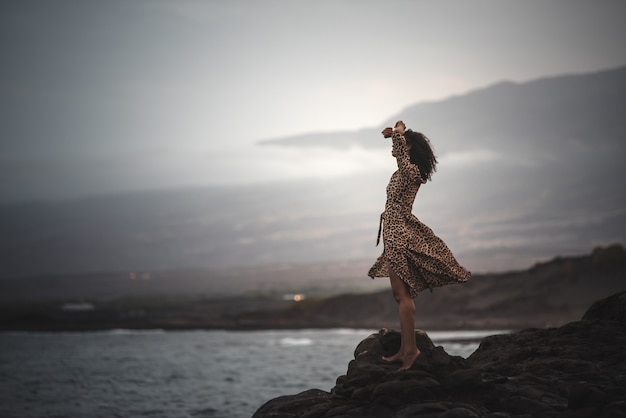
column 421, row 153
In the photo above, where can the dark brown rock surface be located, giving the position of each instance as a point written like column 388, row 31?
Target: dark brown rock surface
column 577, row 370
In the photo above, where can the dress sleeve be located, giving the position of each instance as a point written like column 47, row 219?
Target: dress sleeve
column 405, row 166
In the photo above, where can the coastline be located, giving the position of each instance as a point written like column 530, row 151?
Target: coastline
column 547, row 295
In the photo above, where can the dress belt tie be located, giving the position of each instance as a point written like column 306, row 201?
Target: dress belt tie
column 380, row 228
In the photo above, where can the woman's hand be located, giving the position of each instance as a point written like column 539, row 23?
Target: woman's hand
column 399, row 127
column 387, row 132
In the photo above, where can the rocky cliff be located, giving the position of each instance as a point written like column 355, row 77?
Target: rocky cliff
column 577, row 370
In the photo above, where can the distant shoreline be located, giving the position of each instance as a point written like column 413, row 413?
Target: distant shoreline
column 547, row 295
column 54, row 328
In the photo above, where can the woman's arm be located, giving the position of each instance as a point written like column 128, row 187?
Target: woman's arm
column 400, row 151
column 406, row 167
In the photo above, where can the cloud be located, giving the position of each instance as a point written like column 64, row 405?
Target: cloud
column 464, row 158
column 106, row 78
column 289, row 163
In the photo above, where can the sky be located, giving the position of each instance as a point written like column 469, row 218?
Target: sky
column 152, row 93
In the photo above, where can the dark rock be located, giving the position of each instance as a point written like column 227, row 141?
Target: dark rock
column 586, row 395
column 608, row 309
column 459, row 412
column 424, row 409
column 615, row 409
column 577, row 370
column 292, row 405
column 464, row 380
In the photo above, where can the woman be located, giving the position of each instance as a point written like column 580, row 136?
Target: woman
column 414, row 258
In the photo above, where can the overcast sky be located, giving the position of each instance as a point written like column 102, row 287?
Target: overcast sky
column 98, row 79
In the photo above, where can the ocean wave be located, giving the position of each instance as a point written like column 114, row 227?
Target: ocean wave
column 290, row 341
column 125, row 331
column 463, row 335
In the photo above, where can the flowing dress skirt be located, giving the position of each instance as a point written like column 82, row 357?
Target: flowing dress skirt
column 419, row 257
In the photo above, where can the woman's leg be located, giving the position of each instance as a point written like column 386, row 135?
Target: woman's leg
column 406, row 310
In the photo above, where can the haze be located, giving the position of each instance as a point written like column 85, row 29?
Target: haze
column 100, row 97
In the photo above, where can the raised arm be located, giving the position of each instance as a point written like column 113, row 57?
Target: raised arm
column 406, row 167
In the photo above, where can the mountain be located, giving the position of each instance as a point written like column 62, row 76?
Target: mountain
column 543, row 117
column 526, row 171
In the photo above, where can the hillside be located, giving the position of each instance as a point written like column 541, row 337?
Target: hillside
column 548, row 294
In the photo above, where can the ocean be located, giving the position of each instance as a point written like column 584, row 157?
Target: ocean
column 225, row 374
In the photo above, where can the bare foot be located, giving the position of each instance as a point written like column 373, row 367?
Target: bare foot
column 396, row 358
column 408, row 360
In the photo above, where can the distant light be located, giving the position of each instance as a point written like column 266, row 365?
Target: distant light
column 132, row 275
column 297, row 297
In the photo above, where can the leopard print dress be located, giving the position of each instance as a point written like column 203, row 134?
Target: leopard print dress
column 411, row 249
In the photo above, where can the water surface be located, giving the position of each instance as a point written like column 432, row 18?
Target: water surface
column 175, row 373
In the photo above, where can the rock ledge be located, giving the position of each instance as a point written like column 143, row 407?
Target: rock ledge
column 577, row 370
